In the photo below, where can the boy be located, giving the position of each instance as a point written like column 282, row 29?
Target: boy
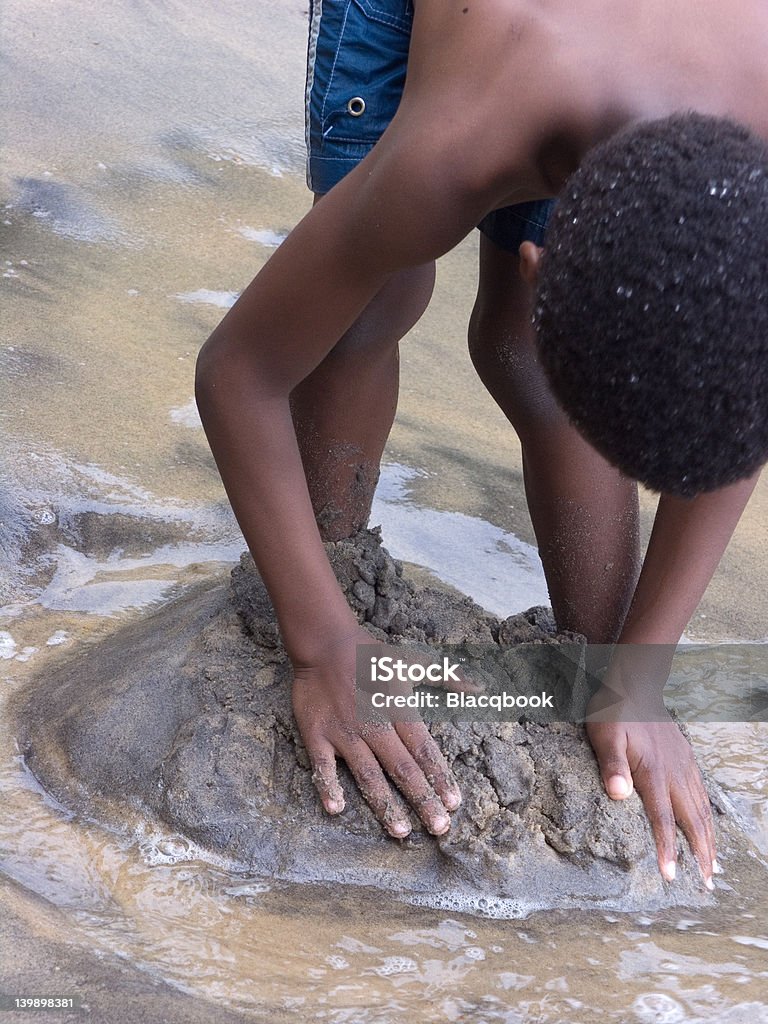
column 652, row 330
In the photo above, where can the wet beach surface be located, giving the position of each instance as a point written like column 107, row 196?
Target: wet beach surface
column 152, row 161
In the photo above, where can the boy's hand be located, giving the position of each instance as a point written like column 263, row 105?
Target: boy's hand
column 324, row 705
column 650, row 754
column 635, row 741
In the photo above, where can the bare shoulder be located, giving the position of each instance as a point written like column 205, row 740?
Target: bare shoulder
column 491, row 80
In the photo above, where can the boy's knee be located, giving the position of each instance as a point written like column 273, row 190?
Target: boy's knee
column 393, row 312
column 503, row 352
column 500, row 323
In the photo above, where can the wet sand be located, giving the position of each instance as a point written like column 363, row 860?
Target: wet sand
column 152, row 158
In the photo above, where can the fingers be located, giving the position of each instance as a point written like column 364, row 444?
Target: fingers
column 691, row 808
column 654, row 792
column 408, row 777
column 609, row 743
column 368, row 774
column 671, row 796
column 428, row 756
column 378, row 750
column 668, row 804
column 324, row 775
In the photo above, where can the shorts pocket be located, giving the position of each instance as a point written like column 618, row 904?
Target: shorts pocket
column 397, row 13
column 368, row 75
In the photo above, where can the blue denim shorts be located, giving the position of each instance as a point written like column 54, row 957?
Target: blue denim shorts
column 356, row 62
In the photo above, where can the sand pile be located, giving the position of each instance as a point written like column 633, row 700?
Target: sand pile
column 185, row 718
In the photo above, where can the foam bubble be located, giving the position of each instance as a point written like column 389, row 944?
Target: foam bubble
column 186, row 415
column 396, row 965
column 474, row 953
column 494, row 907
column 7, row 645
column 268, row 238
column 658, row 1008
column 207, row 297
column 157, row 849
column 338, row 963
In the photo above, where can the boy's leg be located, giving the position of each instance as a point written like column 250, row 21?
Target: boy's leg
column 584, row 512
column 343, row 411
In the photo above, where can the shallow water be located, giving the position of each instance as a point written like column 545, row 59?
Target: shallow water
column 153, row 163
column 332, row 955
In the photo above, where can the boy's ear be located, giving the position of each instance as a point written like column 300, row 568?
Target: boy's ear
column 530, row 260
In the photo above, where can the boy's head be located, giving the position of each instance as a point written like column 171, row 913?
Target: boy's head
column 652, row 307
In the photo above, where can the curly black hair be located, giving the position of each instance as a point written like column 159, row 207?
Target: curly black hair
column 652, row 304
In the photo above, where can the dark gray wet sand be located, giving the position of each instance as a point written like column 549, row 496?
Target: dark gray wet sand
column 185, row 718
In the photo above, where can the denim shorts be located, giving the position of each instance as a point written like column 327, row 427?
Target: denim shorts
column 356, row 62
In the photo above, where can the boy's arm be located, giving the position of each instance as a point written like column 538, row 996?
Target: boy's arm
column 647, row 750
column 290, row 316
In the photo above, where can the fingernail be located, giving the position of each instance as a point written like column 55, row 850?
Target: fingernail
column 440, row 825
column 452, row 801
column 716, row 869
column 618, row 786
column 709, row 884
column 335, row 806
column 400, row 829
column 670, row 870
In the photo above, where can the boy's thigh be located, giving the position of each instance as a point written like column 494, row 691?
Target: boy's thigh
column 356, row 66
